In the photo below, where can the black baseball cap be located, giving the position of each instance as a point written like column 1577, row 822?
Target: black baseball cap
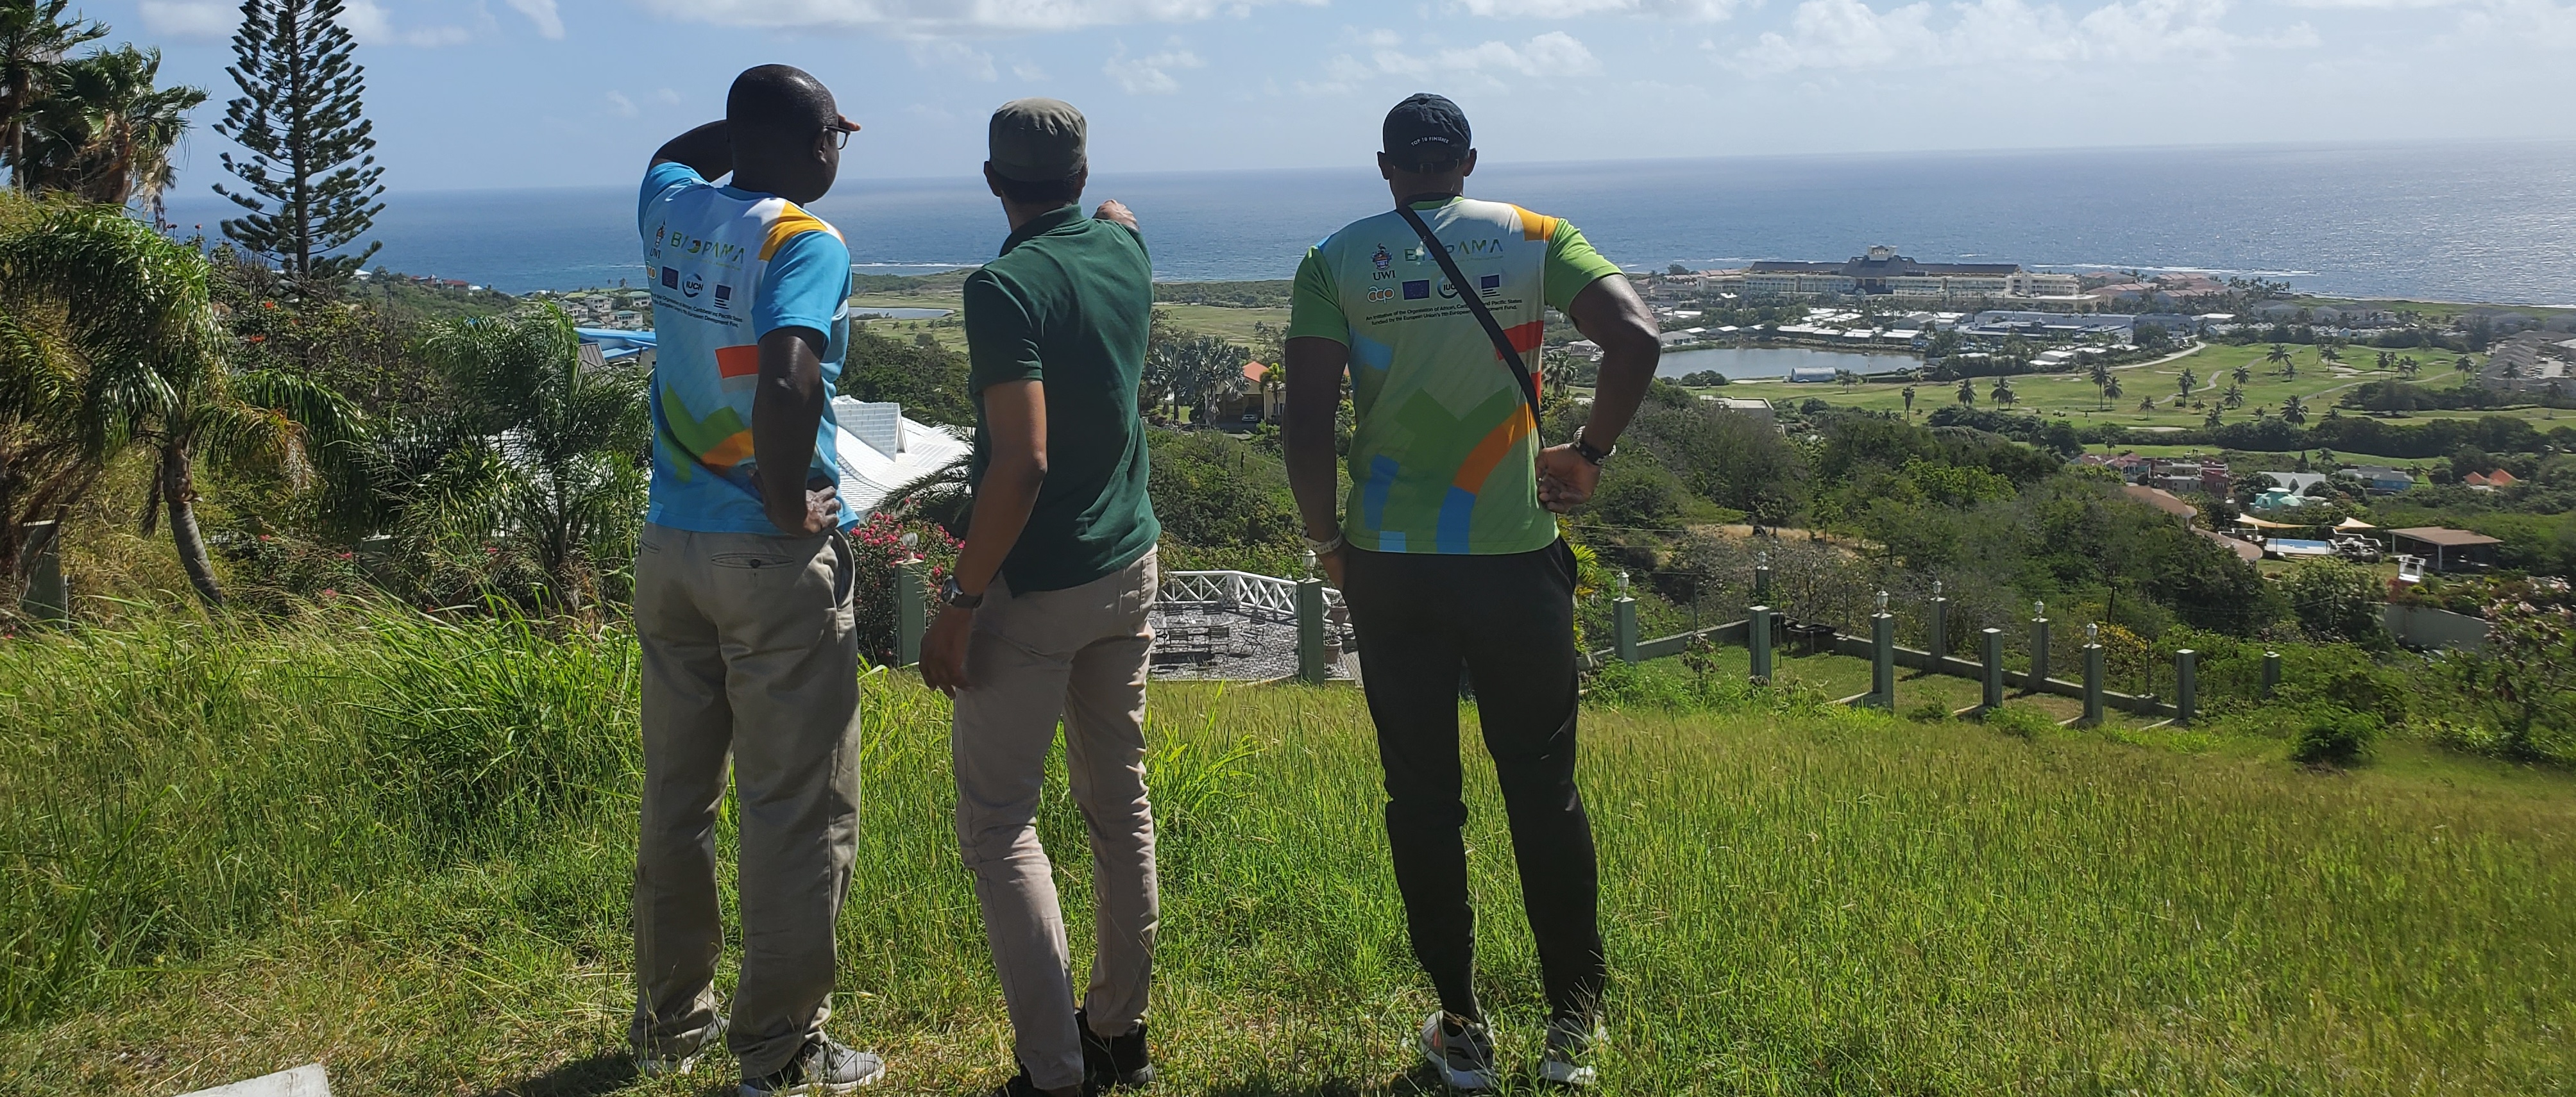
column 1425, row 129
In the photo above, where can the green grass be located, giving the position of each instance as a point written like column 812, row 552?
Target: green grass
column 2073, row 395
column 403, row 848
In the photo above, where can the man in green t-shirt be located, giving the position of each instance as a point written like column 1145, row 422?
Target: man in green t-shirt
column 1046, row 609
column 1448, row 556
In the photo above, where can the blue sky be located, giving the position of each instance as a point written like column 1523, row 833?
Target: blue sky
column 501, row 93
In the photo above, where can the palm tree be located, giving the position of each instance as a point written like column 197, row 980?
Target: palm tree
column 545, row 452
column 2100, row 374
column 2279, row 355
column 2003, row 392
column 34, row 39
column 1968, row 391
column 2233, row 398
column 2408, row 366
column 2327, row 353
column 2188, row 381
column 2210, row 422
column 1909, row 401
column 2243, row 373
column 2147, row 403
column 2463, row 364
column 2293, row 411
column 2110, row 390
column 105, row 134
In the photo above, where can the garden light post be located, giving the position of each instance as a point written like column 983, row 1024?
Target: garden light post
column 2038, row 648
column 1310, row 626
column 1938, row 642
column 1882, row 670
column 1759, row 639
column 375, row 553
column 911, row 605
column 2092, row 675
column 2271, row 672
column 1994, row 653
column 48, row 598
column 1762, row 577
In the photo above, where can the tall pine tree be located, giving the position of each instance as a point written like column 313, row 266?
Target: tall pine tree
column 310, row 176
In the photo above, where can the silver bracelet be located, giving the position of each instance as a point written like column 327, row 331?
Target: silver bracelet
column 1323, row 548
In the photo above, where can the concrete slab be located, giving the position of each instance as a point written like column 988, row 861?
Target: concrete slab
column 303, row 1081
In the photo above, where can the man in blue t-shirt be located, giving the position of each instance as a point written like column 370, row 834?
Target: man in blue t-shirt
column 744, row 593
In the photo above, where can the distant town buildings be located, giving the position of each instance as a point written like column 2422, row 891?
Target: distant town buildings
column 2531, row 362
column 1881, row 271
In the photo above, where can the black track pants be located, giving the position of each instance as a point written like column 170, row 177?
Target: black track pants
column 1509, row 622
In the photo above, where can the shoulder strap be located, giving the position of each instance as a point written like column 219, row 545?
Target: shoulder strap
column 1469, row 294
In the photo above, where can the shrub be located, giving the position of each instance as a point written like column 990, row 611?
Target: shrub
column 2019, row 721
column 2334, row 600
column 2333, row 736
column 1929, row 712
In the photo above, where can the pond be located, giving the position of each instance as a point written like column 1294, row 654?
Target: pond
column 1759, row 363
column 879, row 312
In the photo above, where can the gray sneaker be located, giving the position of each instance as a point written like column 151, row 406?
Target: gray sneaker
column 1567, row 1062
column 1461, row 1052
column 823, row 1067
column 663, row 1063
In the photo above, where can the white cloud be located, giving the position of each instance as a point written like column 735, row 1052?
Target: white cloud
column 374, row 26
column 1849, row 34
column 1554, row 53
column 620, row 105
column 949, row 56
column 2522, row 22
column 190, row 18
column 1029, row 72
column 1152, row 74
column 666, row 97
column 951, row 16
column 1701, row 11
column 548, row 21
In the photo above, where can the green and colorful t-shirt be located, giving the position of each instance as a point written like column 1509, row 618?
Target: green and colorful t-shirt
column 1443, row 459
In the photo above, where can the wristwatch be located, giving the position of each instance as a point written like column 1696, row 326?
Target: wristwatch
column 951, row 594
column 1590, row 452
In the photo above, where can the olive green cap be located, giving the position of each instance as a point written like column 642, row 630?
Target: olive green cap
column 1037, row 140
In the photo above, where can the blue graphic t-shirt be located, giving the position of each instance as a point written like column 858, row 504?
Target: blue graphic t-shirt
column 728, row 266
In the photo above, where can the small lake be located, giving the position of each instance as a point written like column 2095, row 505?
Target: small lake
column 1760, row 363
column 872, row 312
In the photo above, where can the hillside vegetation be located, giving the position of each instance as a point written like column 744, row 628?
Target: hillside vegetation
column 402, row 846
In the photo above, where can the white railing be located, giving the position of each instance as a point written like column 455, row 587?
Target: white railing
column 1236, row 592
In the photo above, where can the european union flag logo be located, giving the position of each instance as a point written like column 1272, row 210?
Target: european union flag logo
column 1491, row 283
column 724, row 296
column 1417, row 290
column 670, row 277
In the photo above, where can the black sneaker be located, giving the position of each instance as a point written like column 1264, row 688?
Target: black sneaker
column 823, row 1067
column 1109, row 1062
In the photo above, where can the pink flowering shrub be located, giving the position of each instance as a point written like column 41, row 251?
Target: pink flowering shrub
column 878, row 547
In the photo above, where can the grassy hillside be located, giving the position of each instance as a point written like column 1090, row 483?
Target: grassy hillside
column 403, row 847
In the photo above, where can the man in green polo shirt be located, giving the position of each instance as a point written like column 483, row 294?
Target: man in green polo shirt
column 1046, row 610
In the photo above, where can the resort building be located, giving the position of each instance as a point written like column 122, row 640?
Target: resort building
column 1882, row 271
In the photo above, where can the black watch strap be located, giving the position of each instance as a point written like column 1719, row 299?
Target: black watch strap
column 1590, row 452
column 952, row 594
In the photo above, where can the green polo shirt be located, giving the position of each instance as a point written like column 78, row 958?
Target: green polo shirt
column 1068, row 304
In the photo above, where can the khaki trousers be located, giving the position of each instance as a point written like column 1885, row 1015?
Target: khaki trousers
column 1078, row 654
column 750, row 647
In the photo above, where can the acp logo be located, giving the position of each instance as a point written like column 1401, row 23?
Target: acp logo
column 1447, row 290
column 1382, row 260
column 696, row 285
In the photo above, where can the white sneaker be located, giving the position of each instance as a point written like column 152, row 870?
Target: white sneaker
column 1565, row 1063
column 658, row 1065
column 1462, row 1052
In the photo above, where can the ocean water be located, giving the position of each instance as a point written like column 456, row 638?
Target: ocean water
column 2445, row 221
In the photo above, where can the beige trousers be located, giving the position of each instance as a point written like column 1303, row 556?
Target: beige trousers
column 750, row 647
column 1078, row 654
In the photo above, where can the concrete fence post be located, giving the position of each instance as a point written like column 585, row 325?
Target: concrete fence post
column 2186, row 685
column 2092, row 684
column 1882, row 670
column 2038, row 648
column 40, row 559
column 1758, row 638
column 1311, row 626
column 911, row 612
column 2271, row 672
column 1938, row 641
column 1623, row 625
column 1994, row 669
